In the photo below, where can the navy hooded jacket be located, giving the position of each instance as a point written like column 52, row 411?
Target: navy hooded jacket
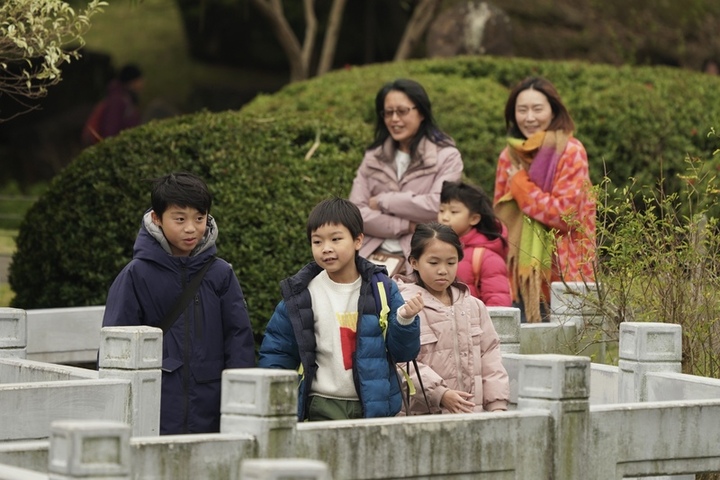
column 211, row 335
column 290, row 341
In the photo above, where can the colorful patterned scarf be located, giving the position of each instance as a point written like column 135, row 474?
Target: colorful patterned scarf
column 531, row 246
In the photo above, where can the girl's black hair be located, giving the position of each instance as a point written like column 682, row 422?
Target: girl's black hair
column 417, row 95
column 477, row 201
column 424, row 233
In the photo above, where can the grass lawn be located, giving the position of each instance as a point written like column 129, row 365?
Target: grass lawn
column 7, row 247
column 7, row 241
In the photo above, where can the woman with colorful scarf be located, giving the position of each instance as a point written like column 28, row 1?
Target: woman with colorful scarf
column 544, row 196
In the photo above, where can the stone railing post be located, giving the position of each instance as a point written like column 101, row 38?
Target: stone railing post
column 560, row 384
column 507, row 324
column 577, row 303
column 646, row 347
column 262, row 403
column 13, row 333
column 135, row 354
column 92, row 450
column 284, row 468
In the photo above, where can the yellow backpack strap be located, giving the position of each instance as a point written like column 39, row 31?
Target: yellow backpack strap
column 384, row 308
column 383, row 315
column 409, row 382
column 476, row 263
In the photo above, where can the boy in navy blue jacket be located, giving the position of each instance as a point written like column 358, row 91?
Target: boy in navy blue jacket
column 176, row 239
column 328, row 324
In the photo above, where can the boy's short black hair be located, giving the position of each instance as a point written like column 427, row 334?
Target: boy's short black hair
column 181, row 189
column 335, row 211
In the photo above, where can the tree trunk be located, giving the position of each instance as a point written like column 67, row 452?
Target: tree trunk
column 310, row 32
column 419, row 22
column 273, row 11
column 331, row 36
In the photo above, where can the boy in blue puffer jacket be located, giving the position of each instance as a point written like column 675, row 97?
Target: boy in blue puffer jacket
column 328, row 326
column 176, row 241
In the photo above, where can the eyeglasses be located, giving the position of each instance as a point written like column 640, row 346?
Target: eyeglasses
column 401, row 112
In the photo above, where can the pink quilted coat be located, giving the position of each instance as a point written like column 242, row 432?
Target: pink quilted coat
column 459, row 350
column 413, row 198
column 494, row 286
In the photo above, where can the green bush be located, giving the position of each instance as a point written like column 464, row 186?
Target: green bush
column 634, row 121
column 77, row 237
column 80, row 233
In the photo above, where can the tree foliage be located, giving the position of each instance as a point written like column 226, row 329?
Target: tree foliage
column 36, row 38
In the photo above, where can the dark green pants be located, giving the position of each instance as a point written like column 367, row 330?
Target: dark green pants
column 322, row 408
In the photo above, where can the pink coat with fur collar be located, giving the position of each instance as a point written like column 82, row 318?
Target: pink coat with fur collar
column 463, row 336
column 413, row 198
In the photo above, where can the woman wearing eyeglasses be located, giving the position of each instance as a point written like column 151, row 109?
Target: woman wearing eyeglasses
column 399, row 181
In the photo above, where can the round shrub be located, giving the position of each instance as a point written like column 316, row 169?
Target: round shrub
column 77, row 237
column 637, row 122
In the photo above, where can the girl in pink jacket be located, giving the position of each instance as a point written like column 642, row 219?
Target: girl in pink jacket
column 459, row 361
column 469, row 212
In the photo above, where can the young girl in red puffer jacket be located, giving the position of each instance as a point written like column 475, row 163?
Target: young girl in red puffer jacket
column 468, row 210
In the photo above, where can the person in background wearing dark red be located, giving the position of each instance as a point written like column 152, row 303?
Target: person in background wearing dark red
column 119, row 109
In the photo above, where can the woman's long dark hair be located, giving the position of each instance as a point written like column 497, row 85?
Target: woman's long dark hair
column 417, row 95
column 424, row 233
column 475, row 199
column 561, row 117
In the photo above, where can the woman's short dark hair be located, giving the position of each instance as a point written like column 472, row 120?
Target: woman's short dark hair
column 561, row 117
column 477, row 201
column 419, row 97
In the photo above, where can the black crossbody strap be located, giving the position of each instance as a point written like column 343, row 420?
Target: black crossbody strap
column 185, row 297
column 422, row 387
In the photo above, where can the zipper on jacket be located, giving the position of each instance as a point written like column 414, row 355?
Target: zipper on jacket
column 456, row 344
column 198, row 318
column 186, row 358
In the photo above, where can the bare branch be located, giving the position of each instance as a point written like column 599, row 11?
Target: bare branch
column 331, row 36
column 273, row 11
column 419, row 22
column 310, row 32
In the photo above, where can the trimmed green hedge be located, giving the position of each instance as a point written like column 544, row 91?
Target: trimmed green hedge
column 77, row 236
column 633, row 121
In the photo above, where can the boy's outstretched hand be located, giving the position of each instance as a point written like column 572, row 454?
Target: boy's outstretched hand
column 412, row 306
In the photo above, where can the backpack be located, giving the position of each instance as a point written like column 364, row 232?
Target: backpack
column 476, row 264
column 91, row 129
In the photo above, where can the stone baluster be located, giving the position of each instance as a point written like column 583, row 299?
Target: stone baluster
column 91, row 450
column 262, row 403
column 560, row 384
column 507, row 324
column 646, row 347
column 284, row 468
column 135, row 354
column 13, row 333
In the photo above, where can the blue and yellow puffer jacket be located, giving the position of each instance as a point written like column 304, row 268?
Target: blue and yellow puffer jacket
column 290, row 341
